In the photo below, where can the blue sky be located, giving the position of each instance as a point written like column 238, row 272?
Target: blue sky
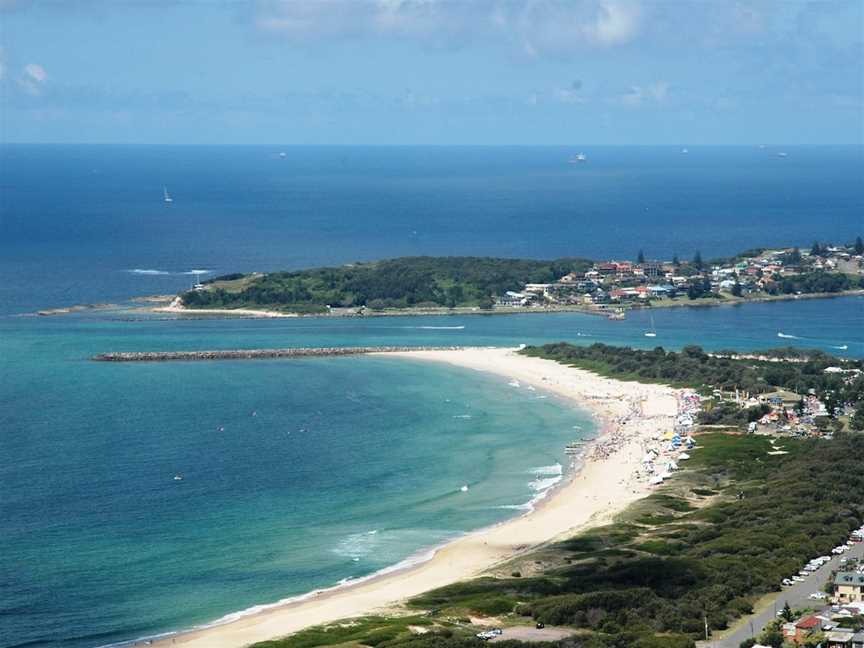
column 569, row 72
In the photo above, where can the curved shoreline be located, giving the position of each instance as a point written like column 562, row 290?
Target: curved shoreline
column 609, row 472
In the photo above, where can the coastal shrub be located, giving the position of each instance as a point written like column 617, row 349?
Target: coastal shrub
column 370, row 631
column 392, row 283
column 769, row 519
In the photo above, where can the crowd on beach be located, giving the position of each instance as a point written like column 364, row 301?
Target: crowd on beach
column 662, row 439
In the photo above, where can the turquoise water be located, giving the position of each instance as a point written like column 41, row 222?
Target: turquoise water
column 349, row 465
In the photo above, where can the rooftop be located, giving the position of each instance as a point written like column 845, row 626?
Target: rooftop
column 849, row 578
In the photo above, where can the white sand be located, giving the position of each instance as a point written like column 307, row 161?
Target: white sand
column 176, row 307
column 607, row 483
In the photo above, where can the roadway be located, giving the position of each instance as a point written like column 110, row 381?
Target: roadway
column 797, row 595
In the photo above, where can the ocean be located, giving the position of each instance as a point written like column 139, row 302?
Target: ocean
column 300, row 474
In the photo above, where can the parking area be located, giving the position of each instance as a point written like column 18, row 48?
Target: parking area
column 797, row 594
column 530, row 633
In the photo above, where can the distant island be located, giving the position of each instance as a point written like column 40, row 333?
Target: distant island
column 485, row 284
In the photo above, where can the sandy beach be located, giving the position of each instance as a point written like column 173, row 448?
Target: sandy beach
column 176, row 307
column 628, row 414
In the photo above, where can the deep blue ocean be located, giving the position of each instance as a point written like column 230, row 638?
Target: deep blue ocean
column 299, row 474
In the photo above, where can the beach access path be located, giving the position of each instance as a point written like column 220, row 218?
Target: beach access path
column 628, row 415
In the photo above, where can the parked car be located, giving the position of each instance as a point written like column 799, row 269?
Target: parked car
column 797, row 579
column 787, row 581
column 818, row 595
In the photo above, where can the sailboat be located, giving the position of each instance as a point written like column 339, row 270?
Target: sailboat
column 653, row 331
column 167, row 196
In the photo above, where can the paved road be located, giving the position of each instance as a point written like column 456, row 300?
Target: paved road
column 797, row 595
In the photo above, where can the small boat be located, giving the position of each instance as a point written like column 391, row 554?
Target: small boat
column 166, row 196
column 178, row 477
column 283, row 154
column 579, row 157
column 464, row 489
column 786, row 337
column 842, row 347
column 782, row 154
column 653, row 332
column 684, row 151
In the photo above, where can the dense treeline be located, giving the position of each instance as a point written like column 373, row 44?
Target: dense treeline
column 813, row 282
column 694, row 367
column 395, row 283
column 654, row 578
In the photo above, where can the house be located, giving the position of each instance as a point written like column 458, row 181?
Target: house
column 849, row 587
column 839, row 638
column 799, row 630
column 512, row 299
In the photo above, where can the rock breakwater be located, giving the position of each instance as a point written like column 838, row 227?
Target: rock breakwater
column 253, row 354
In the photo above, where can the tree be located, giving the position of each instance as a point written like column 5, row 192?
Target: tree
column 832, row 402
column 675, row 261
column 641, row 258
column 697, row 260
column 786, row 612
column 856, row 422
column 694, row 291
column 736, row 289
column 794, row 256
column 486, row 303
column 859, row 245
column 815, row 250
column 773, row 638
column 799, row 407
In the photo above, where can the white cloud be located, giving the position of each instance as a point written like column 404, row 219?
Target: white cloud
column 534, row 27
column 616, row 23
column 33, row 79
column 656, row 93
column 35, row 72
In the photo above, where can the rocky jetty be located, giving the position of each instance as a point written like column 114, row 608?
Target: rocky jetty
column 254, row 354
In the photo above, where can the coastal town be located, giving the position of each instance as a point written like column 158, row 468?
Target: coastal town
column 757, row 274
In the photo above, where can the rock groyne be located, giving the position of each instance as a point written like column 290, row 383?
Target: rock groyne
column 254, row 354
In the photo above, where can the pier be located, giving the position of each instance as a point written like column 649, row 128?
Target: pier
column 257, row 354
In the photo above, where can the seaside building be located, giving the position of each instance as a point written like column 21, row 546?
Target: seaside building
column 849, row 587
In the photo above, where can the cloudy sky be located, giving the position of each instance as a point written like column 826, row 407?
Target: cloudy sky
column 432, row 71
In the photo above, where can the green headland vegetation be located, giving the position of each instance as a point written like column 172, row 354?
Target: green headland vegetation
column 395, row 283
column 487, row 283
